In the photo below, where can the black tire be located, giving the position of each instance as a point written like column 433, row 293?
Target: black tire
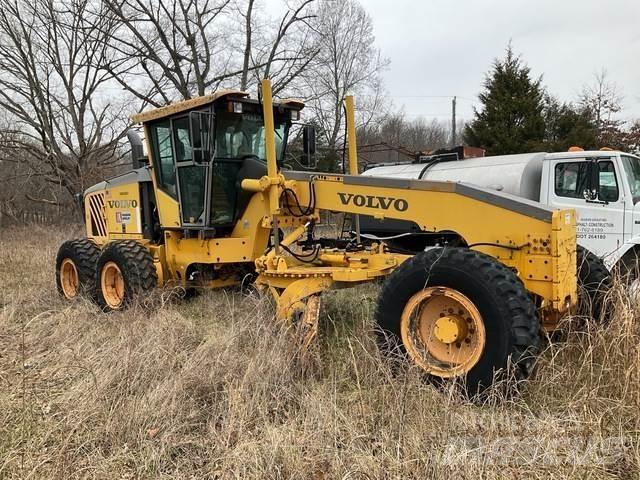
column 137, row 268
column 84, row 254
column 512, row 326
column 594, row 281
column 627, row 267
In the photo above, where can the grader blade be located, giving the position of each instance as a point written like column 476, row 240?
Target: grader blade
column 307, row 327
column 298, row 306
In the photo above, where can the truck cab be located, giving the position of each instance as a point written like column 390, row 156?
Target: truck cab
column 604, row 188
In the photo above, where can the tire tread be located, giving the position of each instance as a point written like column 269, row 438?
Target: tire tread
column 136, row 264
column 524, row 327
column 84, row 253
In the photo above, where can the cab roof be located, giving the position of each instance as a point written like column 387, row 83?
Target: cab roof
column 184, row 105
column 583, row 154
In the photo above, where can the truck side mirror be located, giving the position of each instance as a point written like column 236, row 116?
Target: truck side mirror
column 201, row 125
column 309, row 146
column 590, row 193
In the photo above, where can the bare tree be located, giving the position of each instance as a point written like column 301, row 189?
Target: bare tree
column 248, row 44
column 50, row 84
column 394, row 138
column 281, row 54
column 165, row 50
column 602, row 100
column 177, row 49
column 348, row 62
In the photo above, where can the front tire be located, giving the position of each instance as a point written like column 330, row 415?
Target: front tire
column 125, row 271
column 461, row 314
column 76, row 267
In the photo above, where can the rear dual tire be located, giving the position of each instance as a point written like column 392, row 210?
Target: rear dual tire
column 125, row 270
column 76, row 268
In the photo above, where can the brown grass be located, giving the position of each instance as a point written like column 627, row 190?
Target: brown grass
column 213, row 388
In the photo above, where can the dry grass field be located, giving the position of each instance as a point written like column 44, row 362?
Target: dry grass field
column 212, row 388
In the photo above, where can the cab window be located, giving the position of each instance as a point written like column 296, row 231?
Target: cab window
column 607, row 182
column 182, row 139
column 571, row 179
column 163, row 156
column 238, row 136
column 632, row 170
column 191, row 177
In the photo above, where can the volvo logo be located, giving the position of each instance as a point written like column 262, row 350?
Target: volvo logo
column 373, row 201
column 123, row 203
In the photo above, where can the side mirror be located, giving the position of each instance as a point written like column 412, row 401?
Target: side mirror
column 309, row 146
column 201, row 125
column 590, row 194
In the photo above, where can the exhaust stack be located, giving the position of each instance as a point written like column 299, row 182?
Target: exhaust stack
column 137, row 152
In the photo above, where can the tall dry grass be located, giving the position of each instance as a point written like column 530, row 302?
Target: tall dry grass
column 214, row 388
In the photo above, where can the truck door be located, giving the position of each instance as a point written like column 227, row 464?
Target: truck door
column 631, row 167
column 592, row 187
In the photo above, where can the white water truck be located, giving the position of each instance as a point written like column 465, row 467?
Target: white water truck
column 603, row 187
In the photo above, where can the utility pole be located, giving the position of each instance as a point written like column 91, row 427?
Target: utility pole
column 454, row 140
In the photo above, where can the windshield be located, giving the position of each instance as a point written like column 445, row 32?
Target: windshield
column 632, row 170
column 240, row 135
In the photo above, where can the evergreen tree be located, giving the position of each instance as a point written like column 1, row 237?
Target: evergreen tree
column 329, row 161
column 567, row 125
column 511, row 119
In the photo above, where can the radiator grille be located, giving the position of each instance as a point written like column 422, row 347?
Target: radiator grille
column 96, row 208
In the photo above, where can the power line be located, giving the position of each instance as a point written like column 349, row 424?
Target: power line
column 447, row 97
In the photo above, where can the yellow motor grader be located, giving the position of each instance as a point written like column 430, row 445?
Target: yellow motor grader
column 212, row 202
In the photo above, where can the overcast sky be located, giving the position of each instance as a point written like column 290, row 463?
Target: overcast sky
column 445, row 47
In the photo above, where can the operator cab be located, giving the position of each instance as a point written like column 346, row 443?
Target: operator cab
column 201, row 154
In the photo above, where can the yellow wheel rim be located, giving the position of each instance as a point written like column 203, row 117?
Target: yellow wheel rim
column 69, row 280
column 443, row 331
column 112, row 285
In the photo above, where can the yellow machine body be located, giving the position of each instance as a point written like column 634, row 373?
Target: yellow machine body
column 538, row 243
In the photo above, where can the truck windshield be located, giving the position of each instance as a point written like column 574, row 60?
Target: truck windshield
column 239, row 135
column 632, row 170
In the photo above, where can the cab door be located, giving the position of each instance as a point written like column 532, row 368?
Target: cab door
column 592, row 187
column 191, row 176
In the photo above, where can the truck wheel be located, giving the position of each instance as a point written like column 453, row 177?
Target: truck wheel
column 125, row 270
column 76, row 267
column 627, row 267
column 594, row 281
column 457, row 313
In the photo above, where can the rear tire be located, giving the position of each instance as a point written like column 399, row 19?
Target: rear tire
column 76, row 268
column 510, row 323
column 594, row 281
column 125, row 271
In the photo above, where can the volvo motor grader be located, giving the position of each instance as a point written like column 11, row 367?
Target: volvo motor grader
column 212, row 202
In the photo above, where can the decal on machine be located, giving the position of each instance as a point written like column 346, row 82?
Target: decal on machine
column 122, row 203
column 123, row 218
column 373, row 201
